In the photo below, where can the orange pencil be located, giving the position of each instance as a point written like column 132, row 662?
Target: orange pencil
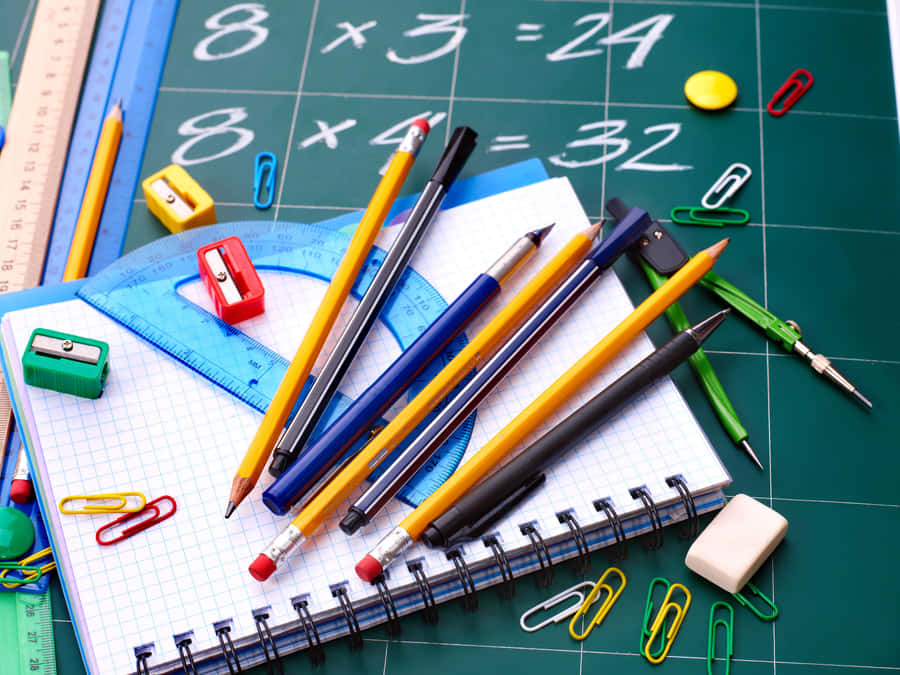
column 301, row 366
column 483, row 461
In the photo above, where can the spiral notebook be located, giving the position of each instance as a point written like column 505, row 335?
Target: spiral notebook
column 180, row 592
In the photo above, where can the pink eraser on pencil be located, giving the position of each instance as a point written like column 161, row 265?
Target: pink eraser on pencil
column 262, row 568
column 422, row 123
column 368, row 568
column 20, row 491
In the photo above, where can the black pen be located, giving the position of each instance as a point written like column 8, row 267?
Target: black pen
column 298, row 433
column 480, row 507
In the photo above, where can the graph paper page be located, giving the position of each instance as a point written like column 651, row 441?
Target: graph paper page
column 162, row 430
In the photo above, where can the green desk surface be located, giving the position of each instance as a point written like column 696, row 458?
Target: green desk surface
column 822, row 249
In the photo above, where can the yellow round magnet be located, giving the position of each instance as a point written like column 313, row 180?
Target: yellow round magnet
column 710, row 90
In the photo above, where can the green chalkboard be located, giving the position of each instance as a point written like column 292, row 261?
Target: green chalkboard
column 586, row 88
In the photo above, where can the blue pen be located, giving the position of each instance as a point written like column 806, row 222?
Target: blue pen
column 318, row 463
column 417, row 453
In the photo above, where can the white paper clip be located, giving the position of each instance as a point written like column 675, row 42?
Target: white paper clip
column 573, row 592
column 730, row 182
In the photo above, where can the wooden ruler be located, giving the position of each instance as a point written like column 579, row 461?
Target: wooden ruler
column 37, row 137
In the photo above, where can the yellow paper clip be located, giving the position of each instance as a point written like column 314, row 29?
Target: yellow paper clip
column 30, row 571
column 111, row 502
column 178, row 200
column 658, row 622
column 611, row 598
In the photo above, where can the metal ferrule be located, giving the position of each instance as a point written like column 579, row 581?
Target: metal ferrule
column 412, row 141
column 386, row 550
column 286, row 541
column 510, row 261
column 822, row 365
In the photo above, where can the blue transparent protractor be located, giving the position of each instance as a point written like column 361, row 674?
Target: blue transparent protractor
column 140, row 292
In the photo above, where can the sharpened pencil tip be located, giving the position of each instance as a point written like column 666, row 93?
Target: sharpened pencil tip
column 115, row 113
column 716, row 249
column 862, row 399
column 594, row 229
column 745, row 446
column 537, row 236
column 230, row 509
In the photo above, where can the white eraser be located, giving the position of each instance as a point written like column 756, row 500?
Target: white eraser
column 736, row 543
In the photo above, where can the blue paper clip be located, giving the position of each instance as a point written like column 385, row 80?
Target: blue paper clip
column 264, row 161
column 2, row 137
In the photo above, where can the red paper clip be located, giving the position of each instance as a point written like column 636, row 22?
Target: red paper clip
column 791, row 90
column 156, row 517
column 231, row 280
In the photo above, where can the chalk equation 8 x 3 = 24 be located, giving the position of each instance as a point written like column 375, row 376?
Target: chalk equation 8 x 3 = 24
column 242, row 28
column 595, row 143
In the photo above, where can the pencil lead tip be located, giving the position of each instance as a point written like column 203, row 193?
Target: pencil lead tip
column 230, row 509
column 716, row 249
column 594, row 229
column 862, row 399
column 745, row 446
column 538, row 236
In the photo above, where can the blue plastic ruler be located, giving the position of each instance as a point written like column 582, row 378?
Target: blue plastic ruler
column 140, row 292
column 127, row 62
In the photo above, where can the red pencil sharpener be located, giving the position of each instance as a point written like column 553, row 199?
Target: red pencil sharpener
column 231, row 280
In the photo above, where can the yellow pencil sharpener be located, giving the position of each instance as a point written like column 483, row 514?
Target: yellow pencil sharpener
column 178, row 200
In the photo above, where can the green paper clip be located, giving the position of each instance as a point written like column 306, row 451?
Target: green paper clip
column 648, row 613
column 729, row 637
column 746, row 603
column 66, row 363
column 30, row 574
column 719, row 217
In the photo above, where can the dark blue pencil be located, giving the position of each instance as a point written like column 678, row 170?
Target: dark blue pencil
column 466, row 400
column 318, row 463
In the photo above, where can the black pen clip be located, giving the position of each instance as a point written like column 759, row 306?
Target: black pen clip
column 657, row 246
column 479, row 527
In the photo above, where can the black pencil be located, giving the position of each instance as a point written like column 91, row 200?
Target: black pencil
column 481, row 506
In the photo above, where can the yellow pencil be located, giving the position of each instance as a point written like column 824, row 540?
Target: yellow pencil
column 483, row 461
column 300, row 367
column 94, row 195
column 480, row 347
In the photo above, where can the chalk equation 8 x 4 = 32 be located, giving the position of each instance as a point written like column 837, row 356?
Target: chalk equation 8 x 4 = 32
column 594, row 142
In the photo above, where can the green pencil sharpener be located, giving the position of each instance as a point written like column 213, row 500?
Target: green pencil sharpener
column 66, row 363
